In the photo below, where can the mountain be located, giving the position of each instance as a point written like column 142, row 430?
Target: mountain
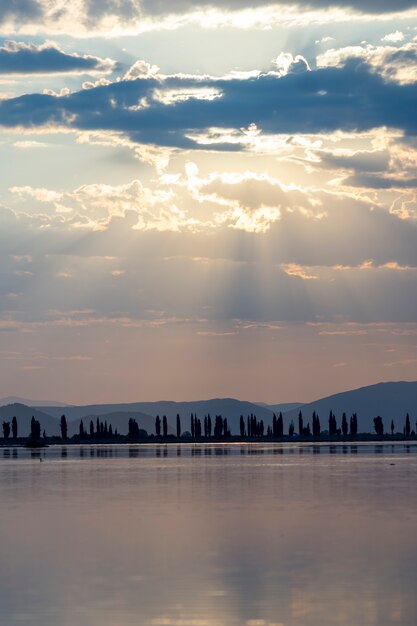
column 389, row 400
column 227, row 407
column 24, row 414
column 26, row 402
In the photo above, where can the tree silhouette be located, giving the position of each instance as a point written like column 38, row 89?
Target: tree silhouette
column 64, row 427
column 6, row 430
column 407, row 425
column 165, row 426
column 178, row 425
column 280, row 426
column 344, row 425
column 379, row 425
column 197, row 426
column 91, row 428
column 82, row 431
column 291, row 429
column 316, row 425
column 392, row 427
column 35, row 429
column 218, row 426
column 354, row 425
column 274, row 425
column 158, row 426
column 14, row 427
column 300, row 424
column 332, row 424
column 133, row 432
column 192, row 426
column 209, row 425
column 242, row 426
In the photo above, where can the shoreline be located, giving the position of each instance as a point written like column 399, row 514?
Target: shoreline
column 172, row 440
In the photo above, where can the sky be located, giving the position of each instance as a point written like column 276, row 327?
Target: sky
column 207, row 199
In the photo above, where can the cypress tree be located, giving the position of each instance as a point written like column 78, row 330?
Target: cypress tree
column 158, row 426
column 64, row 427
column 178, row 425
column 242, row 426
column 14, row 427
column 344, row 425
column 280, row 426
column 300, row 424
column 354, row 425
column 407, row 425
column 165, row 426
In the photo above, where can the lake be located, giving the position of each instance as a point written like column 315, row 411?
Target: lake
column 209, row 535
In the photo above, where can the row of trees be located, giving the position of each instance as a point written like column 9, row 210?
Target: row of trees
column 251, row 427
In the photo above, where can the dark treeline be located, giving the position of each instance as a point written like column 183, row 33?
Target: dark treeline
column 218, row 428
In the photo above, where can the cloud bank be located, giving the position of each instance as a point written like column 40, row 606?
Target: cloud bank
column 180, row 111
column 94, row 16
column 48, row 58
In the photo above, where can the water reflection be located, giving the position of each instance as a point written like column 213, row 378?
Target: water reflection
column 226, row 535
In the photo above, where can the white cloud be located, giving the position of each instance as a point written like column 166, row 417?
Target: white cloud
column 398, row 64
column 394, row 37
column 30, row 144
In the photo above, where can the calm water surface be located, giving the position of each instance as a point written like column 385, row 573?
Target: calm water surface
column 233, row 535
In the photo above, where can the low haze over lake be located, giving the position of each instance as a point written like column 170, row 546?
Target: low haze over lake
column 216, row 535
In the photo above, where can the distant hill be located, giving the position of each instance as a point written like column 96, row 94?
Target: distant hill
column 24, row 415
column 227, row 407
column 389, row 400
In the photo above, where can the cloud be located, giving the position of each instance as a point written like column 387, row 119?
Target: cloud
column 27, row 144
column 27, row 58
column 392, row 63
column 350, row 97
column 394, row 37
column 129, row 17
column 286, row 63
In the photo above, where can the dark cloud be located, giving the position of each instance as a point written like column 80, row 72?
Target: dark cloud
column 24, row 10
column 179, row 6
column 363, row 161
column 21, row 58
column 351, row 98
column 381, row 182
